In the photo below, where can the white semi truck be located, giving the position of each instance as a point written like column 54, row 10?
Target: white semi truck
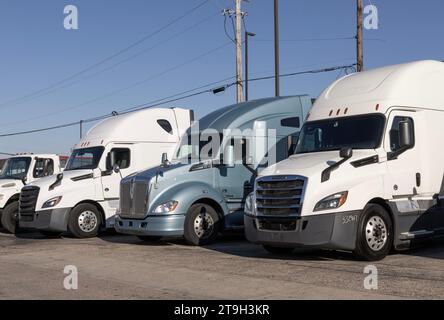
column 86, row 196
column 368, row 171
column 16, row 172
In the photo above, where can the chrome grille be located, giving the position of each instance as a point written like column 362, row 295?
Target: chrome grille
column 280, row 196
column 28, row 202
column 134, row 195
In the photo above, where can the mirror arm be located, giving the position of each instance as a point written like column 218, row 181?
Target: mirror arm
column 393, row 155
column 251, row 169
column 326, row 173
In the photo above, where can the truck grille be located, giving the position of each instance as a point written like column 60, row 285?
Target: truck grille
column 280, row 196
column 28, row 202
column 134, row 198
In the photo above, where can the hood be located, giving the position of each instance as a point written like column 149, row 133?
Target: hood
column 45, row 182
column 312, row 164
column 163, row 173
column 10, row 184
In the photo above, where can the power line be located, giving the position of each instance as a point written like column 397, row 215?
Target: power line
column 165, row 100
column 138, row 83
column 120, row 52
column 113, row 66
column 319, row 39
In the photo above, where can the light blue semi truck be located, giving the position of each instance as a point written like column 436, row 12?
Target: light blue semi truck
column 200, row 193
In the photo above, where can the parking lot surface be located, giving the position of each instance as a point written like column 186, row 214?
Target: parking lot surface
column 123, row 267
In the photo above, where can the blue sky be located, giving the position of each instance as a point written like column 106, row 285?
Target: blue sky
column 36, row 51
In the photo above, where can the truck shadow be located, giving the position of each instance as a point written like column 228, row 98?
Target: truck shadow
column 433, row 249
column 239, row 246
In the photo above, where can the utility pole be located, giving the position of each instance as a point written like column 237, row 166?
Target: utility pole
column 81, row 128
column 359, row 45
column 247, row 35
column 276, row 48
column 238, row 15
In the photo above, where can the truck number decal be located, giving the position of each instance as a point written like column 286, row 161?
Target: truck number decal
column 349, row 219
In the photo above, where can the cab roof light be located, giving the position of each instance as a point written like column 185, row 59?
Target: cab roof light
column 377, row 107
column 338, row 112
column 331, row 112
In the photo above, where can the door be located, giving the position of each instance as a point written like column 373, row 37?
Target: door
column 111, row 179
column 403, row 177
column 236, row 182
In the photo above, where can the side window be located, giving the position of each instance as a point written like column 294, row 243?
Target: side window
column 291, row 122
column 166, row 125
column 123, row 157
column 43, row 167
column 394, row 132
column 292, row 143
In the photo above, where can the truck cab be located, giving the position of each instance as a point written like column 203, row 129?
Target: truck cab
column 367, row 173
column 16, row 172
column 85, row 197
column 202, row 190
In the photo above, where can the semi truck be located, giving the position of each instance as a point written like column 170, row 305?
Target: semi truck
column 197, row 199
column 16, row 172
column 84, row 198
column 367, row 174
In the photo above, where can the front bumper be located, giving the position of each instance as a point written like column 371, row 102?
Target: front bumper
column 330, row 231
column 164, row 226
column 48, row 220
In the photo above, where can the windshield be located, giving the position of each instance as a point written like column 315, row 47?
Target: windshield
column 359, row 132
column 199, row 147
column 87, row 158
column 15, row 168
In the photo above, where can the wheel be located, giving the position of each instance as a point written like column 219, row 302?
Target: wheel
column 202, row 225
column 278, row 250
column 10, row 217
column 50, row 234
column 375, row 236
column 84, row 221
column 149, row 238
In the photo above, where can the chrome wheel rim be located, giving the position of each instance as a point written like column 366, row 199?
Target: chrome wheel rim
column 376, row 233
column 203, row 224
column 87, row 221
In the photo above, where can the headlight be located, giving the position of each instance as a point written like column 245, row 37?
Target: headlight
column 249, row 204
column 166, row 207
column 332, row 202
column 52, row 202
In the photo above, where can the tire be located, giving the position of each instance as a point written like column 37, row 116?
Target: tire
column 202, row 225
column 50, row 234
column 84, row 221
column 278, row 250
column 375, row 234
column 149, row 238
column 10, row 217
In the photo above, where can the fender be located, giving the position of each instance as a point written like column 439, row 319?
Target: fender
column 188, row 193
